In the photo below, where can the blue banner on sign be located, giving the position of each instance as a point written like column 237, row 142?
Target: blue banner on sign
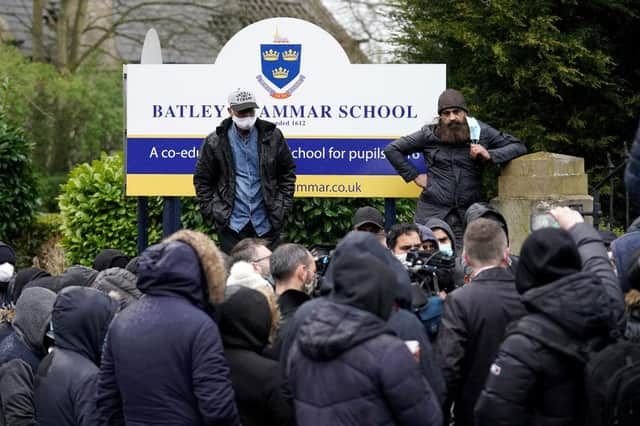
column 312, row 156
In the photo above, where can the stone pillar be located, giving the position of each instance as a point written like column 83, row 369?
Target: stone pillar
column 536, row 180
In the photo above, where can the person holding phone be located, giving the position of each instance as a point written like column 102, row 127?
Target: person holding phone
column 455, row 150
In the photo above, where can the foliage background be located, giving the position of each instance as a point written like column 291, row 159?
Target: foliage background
column 563, row 75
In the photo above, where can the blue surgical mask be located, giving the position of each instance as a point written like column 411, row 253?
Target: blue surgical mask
column 446, row 249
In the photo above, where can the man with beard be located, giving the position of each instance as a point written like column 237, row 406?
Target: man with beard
column 455, row 150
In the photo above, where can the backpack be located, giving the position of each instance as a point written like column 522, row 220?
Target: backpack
column 611, row 371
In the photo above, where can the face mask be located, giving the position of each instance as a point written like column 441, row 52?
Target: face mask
column 310, row 284
column 446, row 249
column 6, row 272
column 402, row 257
column 244, row 123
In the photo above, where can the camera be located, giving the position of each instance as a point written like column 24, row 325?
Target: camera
column 430, row 272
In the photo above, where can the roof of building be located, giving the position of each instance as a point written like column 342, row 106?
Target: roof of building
column 190, row 31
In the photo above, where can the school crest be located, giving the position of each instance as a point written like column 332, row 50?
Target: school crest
column 280, row 67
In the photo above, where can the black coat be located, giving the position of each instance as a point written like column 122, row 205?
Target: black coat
column 455, row 179
column 215, row 179
column 16, row 394
column 473, row 325
column 66, row 379
column 245, row 323
column 531, row 383
column 163, row 358
column 288, row 303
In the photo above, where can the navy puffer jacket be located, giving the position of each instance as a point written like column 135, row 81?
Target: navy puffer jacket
column 343, row 367
column 163, row 361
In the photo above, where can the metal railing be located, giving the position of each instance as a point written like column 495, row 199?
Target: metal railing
column 612, row 170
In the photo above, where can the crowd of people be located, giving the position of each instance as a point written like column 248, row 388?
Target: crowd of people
column 185, row 334
column 429, row 323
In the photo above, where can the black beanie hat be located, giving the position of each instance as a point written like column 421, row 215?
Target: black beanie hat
column 451, row 98
column 110, row 258
column 7, row 255
column 547, row 255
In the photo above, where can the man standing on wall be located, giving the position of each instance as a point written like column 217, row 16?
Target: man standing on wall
column 455, row 150
column 245, row 176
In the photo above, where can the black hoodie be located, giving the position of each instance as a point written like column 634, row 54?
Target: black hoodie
column 245, row 323
column 66, row 378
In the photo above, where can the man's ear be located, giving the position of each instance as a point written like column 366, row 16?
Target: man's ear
column 465, row 256
column 300, row 273
column 506, row 254
column 230, row 111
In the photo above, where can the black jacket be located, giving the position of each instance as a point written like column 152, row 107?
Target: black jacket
column 215, row 179
column 16, row 394
column 288, row 303
column 531, row 383
column 473, row 325
column 66, row 379
column 455, row 179
column 245, row 323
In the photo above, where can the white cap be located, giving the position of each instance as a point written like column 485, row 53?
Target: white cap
column 240, row 100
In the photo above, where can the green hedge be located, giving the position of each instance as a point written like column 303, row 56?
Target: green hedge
column 18, row 187
column 96, row 214
column 44, row 229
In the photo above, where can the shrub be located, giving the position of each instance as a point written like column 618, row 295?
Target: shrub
column 18, row 187
column 97, row 215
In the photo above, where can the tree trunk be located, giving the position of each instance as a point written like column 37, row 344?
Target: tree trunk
column 37, row 42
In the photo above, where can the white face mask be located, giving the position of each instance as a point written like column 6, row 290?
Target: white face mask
column 446, row 249
column 402, row 257
column 244, row 123
column 6, row 272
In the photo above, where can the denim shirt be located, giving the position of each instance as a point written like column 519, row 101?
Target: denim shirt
column 248, row 204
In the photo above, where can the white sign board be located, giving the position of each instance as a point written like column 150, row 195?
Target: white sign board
column 337, row 116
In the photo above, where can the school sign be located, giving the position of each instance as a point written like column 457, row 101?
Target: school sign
column 337, row 116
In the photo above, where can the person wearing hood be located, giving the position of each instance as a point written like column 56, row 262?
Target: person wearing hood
column 66, row 379
column 343, row 367
column 443, row 233
column 567, row 283
column 17, row 284
column 245, row 321
column 163, row 359
column 455, row 150
column 475, row 318
column 110, row 258
column 30, row 325
column 485, row 211
column 245, row 175
column 428, row 239
column 119, row 284
column 7, row 268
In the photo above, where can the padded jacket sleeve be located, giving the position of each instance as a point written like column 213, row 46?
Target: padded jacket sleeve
column 211, row 381
column 510, row 385
column 595, row 260
column 502, row 146
column 397, row 151
column 410, row 397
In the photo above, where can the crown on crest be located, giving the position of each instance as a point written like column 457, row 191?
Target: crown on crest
column 270, row 55
column 290, row 55
column 280, row 73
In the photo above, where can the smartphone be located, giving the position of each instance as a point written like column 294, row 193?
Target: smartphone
column 543, row 220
